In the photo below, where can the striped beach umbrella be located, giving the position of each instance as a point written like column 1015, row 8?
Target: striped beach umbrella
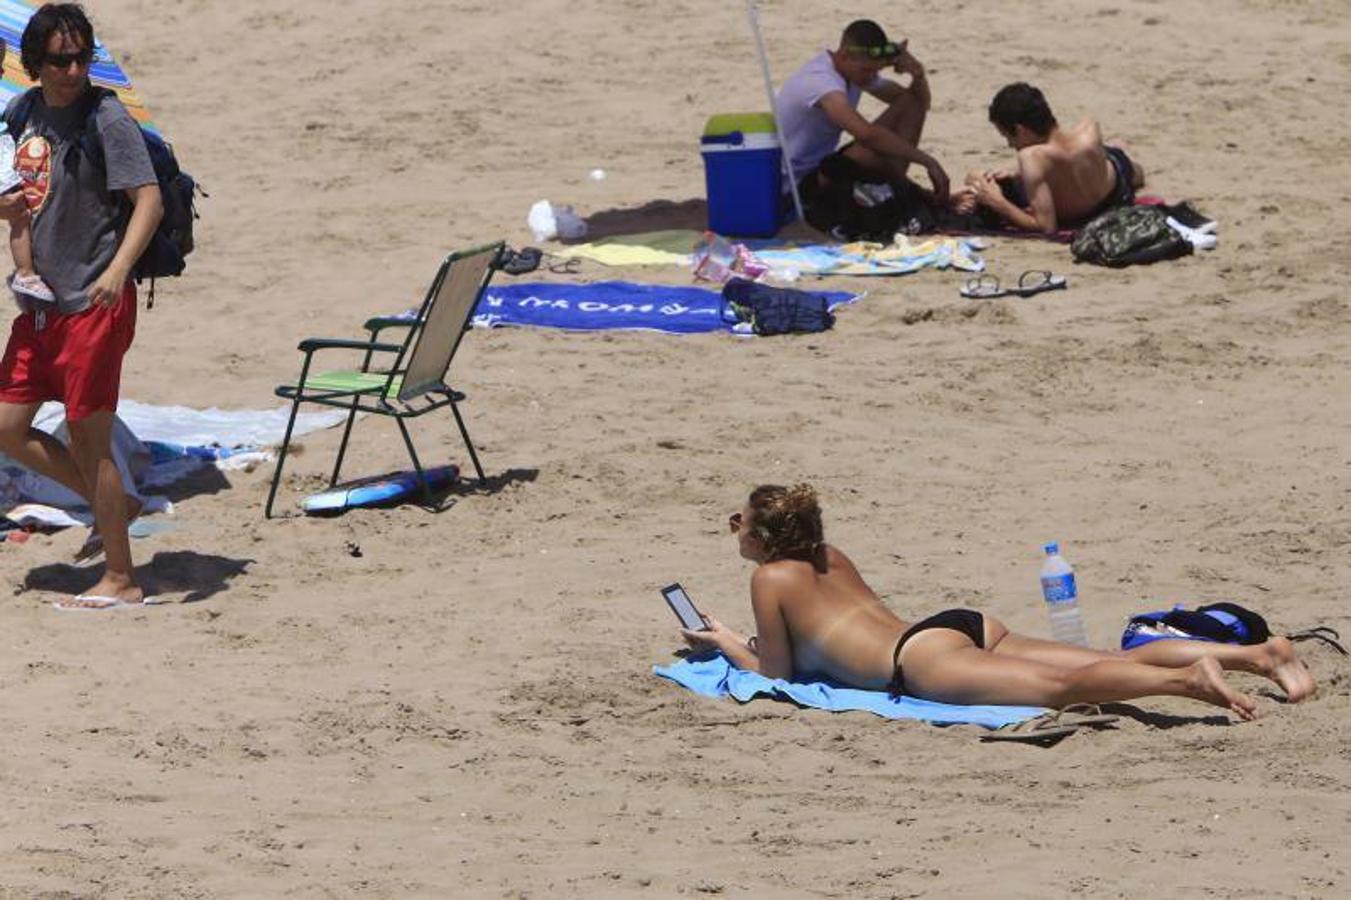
column 104, row 71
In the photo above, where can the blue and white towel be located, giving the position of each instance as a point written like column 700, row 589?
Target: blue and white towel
column 714, row 676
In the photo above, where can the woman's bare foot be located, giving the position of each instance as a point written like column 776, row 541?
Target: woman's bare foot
column 1205, row 680
column 1279, row 663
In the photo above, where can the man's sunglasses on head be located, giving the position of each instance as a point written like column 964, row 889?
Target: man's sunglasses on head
column 889, row 50
column 63, row 60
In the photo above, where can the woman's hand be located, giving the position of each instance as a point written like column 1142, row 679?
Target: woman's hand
column 717, row 637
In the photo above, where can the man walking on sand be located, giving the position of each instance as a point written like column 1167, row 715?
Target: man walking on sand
column 819, row 102
column 84, row 247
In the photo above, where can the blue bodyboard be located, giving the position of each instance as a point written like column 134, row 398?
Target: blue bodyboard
column 379, row 490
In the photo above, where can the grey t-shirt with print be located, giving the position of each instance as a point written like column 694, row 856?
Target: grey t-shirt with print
column 77, row 220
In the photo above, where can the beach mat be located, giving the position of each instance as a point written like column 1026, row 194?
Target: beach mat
column 612, row 305
column 673, row 248
column 714, row 676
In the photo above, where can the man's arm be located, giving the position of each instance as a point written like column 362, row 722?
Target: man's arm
column 879, row 139
column 147, row 210
column 1040, row 214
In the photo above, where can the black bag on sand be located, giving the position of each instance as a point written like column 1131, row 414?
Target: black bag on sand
column 772, row 310
column 1129, row 236
column 836, row 209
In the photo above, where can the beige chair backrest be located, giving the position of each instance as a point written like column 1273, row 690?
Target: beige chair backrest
column 445, row 316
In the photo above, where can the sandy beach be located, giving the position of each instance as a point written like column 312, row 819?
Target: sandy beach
column 401, row 703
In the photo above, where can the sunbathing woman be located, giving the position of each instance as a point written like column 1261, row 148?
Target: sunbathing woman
column 814, row 614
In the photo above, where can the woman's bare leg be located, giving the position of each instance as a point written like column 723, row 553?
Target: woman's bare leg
column 944, row 666
column 1275, row 659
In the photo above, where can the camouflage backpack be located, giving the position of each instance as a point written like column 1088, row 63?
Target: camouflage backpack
column 1127, row 236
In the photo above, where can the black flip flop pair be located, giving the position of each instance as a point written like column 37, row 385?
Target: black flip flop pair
column 519, row 262
column 528, row 259
column 1033, row 281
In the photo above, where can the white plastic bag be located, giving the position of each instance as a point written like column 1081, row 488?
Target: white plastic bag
column 548, row 222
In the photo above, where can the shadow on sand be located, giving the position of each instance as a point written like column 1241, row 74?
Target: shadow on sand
column 667, row 215
column 199, row 575
column 1164, row 720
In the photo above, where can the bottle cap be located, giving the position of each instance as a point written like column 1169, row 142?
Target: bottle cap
column 1052, row 548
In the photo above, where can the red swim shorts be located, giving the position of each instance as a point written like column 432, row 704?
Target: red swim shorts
column 76, row 359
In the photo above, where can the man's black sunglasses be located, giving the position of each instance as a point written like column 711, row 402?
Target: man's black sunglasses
column 63, row 60
column 888, row 50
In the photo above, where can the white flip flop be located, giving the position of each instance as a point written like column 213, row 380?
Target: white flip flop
column 92, row 603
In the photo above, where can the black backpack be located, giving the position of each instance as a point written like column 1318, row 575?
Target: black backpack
column 772, row 310
column 165, row 255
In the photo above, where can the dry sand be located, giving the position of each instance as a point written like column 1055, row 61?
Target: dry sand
column 466, row 708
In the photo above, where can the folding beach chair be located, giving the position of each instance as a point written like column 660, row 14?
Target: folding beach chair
column 414, row 383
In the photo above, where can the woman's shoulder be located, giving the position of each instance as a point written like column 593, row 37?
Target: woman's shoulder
column 781, row 573
column 784, row 571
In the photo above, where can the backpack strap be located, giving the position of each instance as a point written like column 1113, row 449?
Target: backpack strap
column 1322, row 633
column 20, row 113
column 89, row 142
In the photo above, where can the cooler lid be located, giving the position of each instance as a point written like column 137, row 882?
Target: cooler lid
column 746, row 123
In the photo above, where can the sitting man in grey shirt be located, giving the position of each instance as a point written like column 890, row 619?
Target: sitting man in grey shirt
column 819, row 102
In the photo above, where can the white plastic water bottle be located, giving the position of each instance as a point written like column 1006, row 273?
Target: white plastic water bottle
column 1062, row 598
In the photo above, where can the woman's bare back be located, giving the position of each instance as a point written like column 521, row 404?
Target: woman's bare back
column 839, row 626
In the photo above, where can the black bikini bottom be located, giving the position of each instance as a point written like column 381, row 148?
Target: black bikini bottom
column 967, row 621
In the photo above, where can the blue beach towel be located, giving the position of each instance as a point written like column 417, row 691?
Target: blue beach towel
column 714, row 676
column 611, row 305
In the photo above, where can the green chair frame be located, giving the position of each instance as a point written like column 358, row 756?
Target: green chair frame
column 414, row 383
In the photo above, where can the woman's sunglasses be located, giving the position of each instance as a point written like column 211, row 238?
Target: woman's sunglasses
column 734, row 522
column 63, row 60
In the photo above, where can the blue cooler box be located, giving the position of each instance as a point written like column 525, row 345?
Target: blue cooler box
column 743, row 171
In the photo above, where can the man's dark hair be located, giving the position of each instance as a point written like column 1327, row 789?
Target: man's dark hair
column 1021, row 104
column 50, row 19
column 863, row 33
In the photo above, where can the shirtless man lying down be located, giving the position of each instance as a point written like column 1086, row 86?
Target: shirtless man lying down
column 1065, row 176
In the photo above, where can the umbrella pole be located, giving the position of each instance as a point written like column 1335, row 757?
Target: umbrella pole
column 754, row 17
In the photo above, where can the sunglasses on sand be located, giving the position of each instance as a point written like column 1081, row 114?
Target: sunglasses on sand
column 63, row 60
column 889, row 50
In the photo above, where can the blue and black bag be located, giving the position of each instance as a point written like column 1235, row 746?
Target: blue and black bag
column 772, row 310
column 1219, row 623
column 165, row 255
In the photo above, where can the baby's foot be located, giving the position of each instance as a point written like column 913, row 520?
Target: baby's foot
column 31, row 286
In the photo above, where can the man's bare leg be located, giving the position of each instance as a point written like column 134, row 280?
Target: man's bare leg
column 35, row 449
column 91, row 446
column 905, row 117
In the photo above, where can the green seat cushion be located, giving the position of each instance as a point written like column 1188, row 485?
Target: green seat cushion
column 352, row 382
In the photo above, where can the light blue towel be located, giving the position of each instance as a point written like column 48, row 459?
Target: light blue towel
column 715, row 677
